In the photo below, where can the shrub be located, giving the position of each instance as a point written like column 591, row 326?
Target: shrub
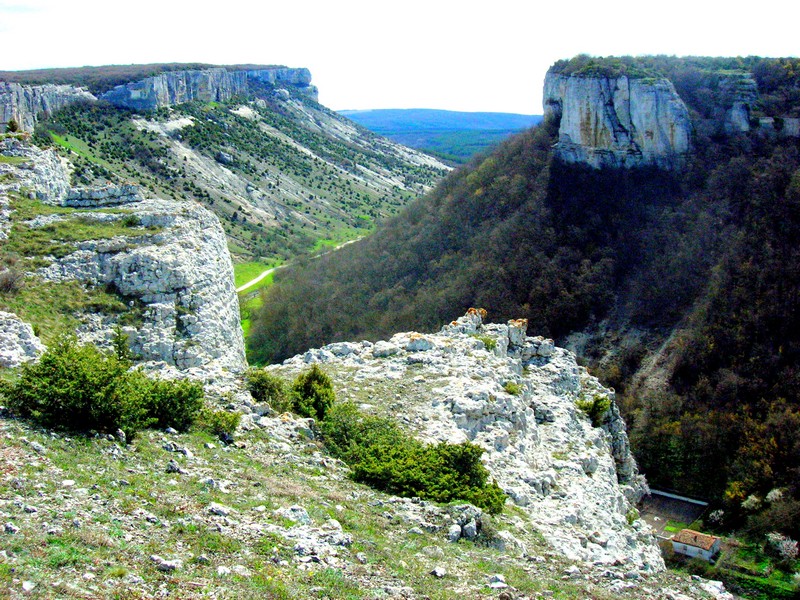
column 512, row 388
column 11, row 280
column 219, row 422
column 268, row 388
column 12, row 126
column 174, row 403
column 81, row 388
column 489, row 342
column 595, row 407
column 382, row 456
column 312, row 393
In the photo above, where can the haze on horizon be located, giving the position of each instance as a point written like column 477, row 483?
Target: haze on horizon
column 448, row 54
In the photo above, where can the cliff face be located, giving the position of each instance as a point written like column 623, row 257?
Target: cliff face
column 575, row 480
column 24, row 102
column 618, row 122
column 173, row 270
column 210, row 85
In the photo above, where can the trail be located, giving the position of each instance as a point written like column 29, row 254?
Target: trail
column 262, row 275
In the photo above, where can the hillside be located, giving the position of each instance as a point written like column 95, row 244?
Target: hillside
column 665, row 259
column 451, row 135
column 283, row 173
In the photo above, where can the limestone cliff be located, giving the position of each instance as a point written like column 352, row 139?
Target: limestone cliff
column 173, row 270
column 24, row 103
column 618, row 121
column 217, row 85
column 576, row 480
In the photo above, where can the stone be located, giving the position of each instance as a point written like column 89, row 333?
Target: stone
column 497, row 582
column 10, row 528
column 294, row 513
column 454, row 532
column 219, row 509
column 167, row 566
column 18, row 343
column 470, row 530
column 439, row 572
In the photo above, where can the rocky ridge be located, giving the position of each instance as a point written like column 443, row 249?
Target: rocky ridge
column 208, row 85
column 618, row 121
column 25, row 102
column 174, row 270
column 517, row 400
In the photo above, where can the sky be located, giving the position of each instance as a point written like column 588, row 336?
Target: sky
column 456, row 55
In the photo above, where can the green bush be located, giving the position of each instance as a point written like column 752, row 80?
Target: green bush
column 512, row 388
column 595, row 407
column 268, row 388
column 312, row 393
column 382, row 456
column 81, row 388
column 219, row 422
column 488, row 341
column 174, row 403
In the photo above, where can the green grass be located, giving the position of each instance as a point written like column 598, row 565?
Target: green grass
column 52, row 308
column 247, row 271
column 675, row 526
column 12, row 160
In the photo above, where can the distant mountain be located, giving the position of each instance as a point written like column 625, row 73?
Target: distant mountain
column 249, row 142
column 452, row 135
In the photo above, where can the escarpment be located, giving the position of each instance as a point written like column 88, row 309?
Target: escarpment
column 209, row 85
column 26, row 103
column 618, row 121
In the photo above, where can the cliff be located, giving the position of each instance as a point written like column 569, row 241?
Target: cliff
column 618, row 121
column 208, row 85
column 171, row 266
column 576, row 480
column 24, row 103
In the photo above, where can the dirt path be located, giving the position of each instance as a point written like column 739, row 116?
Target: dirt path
column 252, row 282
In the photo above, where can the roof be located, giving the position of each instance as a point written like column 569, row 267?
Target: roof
column 695, row 538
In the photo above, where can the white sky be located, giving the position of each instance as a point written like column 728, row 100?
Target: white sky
column 451, row 54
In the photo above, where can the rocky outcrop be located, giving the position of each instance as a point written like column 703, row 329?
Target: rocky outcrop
column 18, row 343
column 517, row 397
column 24, row 103
column 737, row 94
column 208, row 85
column 618, row 121
column 173, row 270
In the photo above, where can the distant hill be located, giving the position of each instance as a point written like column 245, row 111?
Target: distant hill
column 452, row 135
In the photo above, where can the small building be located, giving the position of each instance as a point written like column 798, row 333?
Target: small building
column 693, row 543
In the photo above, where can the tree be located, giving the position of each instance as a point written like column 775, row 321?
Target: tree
column 12, row 126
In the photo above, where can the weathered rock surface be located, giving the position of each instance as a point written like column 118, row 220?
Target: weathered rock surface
column 208, row 85
column 18, row 343
column 174, row 268
column 618, row 122
column 25, row 102
column 577, row 481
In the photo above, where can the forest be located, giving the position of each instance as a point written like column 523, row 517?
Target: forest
column 697, row 271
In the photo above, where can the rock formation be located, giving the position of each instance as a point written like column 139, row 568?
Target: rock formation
column 174, row 267
column 618, row 121
column 208, row 85
column 18, row 343
column 577, row 481
column 24, row 103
